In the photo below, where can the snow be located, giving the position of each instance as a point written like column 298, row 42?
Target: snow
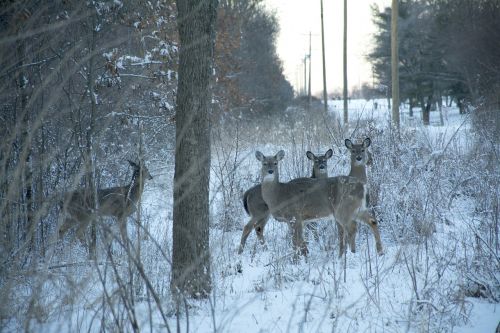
column 484, row 317
column 263, row 290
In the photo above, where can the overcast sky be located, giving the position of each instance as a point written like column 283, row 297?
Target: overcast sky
column 298, row 17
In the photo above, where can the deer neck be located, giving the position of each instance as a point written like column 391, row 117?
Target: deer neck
column 358, row 171
column 271, row 188
column 319, row 174
column 135, row 188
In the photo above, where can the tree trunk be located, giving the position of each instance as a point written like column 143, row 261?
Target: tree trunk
column 346, row 112
column 325, row 98
column 191, row 256
column 91, row 188
column 26, row 224
column 427, row 111
column 395, row 63
column 439, row 102
column 309, row 82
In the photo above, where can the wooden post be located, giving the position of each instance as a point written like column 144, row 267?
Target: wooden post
column 346, row 113
column 325, row 99
column 395, row 63
column 309, row 87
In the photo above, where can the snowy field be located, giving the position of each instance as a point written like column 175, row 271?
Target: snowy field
column 430, row 227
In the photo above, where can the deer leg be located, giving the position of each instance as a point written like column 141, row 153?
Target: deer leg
column 259, row 229
column 81, row 233
column 246, row 231
column 298, row 238
column 368, row 218
column 80, row 228
column 352, row 229
column 63, row 229
column 123, row 230
column 107, row 238
column 340, row 230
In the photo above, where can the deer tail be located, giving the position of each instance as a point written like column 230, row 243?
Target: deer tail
column 245, row 202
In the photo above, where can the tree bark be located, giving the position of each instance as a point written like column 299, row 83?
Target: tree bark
column 191, row 256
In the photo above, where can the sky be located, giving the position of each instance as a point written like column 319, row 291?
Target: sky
column 299, row 17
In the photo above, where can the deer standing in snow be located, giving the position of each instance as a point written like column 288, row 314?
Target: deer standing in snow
column 256, row 207
column 360, row 158
column 342, row 198
column 119, row 202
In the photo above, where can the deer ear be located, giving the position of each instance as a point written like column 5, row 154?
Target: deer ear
column 367, row 142
column 279, row 156
column 329, row 153
column 259, row 156
column 310, row 155
column 348, row 143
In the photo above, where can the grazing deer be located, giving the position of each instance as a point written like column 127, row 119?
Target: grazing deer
column 308, row 199
column 120, row 202
column 256, row 207
column 360, row 158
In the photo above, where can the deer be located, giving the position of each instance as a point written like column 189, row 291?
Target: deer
column 119, row 202
column 307, row 199
column 256, row 207
column 360, row 159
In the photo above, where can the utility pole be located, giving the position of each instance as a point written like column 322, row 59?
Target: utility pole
column 325, row 99
column 346, row 112
column 309, row 88
column 305, row 74
column 395, row 63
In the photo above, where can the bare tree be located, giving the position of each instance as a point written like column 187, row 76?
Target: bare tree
column 191, row 257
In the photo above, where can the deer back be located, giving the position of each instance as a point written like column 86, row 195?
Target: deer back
column 116, row 201
column 78, row 205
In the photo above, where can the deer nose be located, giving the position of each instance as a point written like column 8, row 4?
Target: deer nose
column 270, row 172
column 359, row 158
column 321, row 166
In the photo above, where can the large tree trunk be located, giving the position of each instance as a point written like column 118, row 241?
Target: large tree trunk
column 191, row 257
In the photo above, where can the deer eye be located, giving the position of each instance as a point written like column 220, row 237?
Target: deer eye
column 275, row 163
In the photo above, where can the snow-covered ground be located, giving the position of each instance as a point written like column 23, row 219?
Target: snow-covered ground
column 416, row 286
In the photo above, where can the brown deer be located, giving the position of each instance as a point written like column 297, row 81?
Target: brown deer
column 119, row 202
column 256, row 207
column 360, row 159
column 308, row 199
